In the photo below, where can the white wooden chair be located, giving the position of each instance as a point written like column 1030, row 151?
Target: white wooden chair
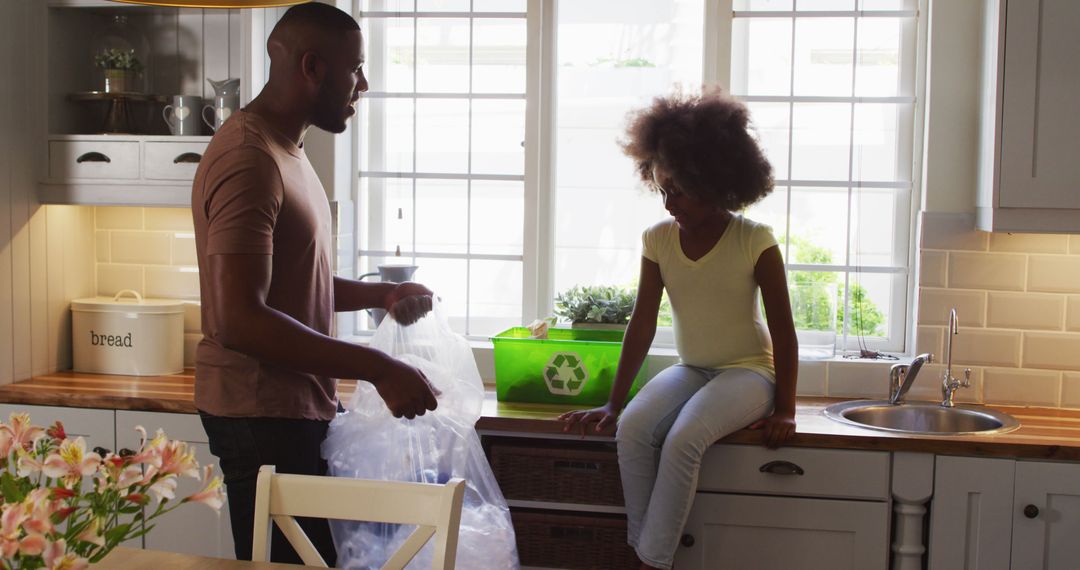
column 436, row 509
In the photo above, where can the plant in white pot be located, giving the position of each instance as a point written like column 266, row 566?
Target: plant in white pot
column 121, row 67
column 600, row 306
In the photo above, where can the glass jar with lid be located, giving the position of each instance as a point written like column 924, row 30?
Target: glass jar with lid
column 120, row 55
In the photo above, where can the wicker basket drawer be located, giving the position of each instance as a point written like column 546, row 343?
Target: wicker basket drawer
column 553, row 540
column 561, row 475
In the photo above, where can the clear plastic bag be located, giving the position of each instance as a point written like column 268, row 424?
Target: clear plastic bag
column 369, row 443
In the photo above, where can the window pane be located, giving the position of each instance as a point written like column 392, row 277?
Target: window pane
column 612, row 57
column 387, row 5
column 772, row 211
column 873, row 239
column 878, row 72
column 442, row 5
column 442, row 135
column 818, row 226
column 763, row 5
column 761, row 56
column 821, row 139
column 497, row 217
column 442, row 54
column 888, row 4
column 389, row 214
column 869, row 304
column 823, row 56
column 386, row 139
column 498, row 136
column 877, row 144
column 389, row 52
column 815, row 301
column 816, row 5
column 499, row 5
column 772, row 122
column 441, row 216
column 447, row 279
column 499, row 55
column 494, row 296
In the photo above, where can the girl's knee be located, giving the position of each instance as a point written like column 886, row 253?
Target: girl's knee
column 635, row 428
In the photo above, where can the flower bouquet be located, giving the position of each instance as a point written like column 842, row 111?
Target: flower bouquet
column 51, row 518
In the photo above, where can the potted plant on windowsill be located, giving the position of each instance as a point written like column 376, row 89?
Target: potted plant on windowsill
column 120, row 67
column 597, row 307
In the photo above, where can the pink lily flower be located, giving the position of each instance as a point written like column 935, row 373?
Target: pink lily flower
column 71, row 462
column 92, row 534
column 57, row 557
column 32, row 544
column 22, row 433
column 11, row 519
column 6, row 443
column 213, row 495
column 164, row 489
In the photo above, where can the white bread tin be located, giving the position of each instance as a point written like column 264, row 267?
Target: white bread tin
column 128, row 335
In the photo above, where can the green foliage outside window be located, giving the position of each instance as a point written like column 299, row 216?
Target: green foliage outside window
column 812, row 290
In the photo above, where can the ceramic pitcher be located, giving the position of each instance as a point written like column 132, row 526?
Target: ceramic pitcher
column 226, row 101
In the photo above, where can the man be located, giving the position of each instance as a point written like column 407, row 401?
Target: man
column 265, row 367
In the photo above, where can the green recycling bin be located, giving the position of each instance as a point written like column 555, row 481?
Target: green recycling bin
column 571, row 366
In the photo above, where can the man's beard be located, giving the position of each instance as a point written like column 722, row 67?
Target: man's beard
column 328, row 115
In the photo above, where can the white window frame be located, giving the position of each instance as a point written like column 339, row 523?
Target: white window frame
column 539, row 169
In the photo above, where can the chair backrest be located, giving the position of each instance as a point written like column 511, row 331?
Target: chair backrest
column 435, row 509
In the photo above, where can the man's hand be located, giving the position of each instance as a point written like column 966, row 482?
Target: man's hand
column 406, row 390
column 778, row 428
column 408, row 302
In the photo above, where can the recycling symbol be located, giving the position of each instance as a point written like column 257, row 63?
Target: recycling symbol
column 565, row 374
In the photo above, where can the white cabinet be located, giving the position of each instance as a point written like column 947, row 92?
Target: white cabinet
column 1029, row 175
column 190, row 529
column 828, row 509
column 999, row 513
column 186, row 46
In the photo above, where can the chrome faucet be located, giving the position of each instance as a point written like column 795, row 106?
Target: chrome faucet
column 902, row 376
column 949, row 385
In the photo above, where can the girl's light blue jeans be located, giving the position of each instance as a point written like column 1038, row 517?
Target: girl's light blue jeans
column 663, row 434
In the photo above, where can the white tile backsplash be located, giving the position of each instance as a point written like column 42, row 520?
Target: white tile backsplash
column 1054, row 273
column 1025, row 311
column 1002, row 271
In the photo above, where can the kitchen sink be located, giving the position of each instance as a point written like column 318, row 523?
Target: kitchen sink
column 928, row 418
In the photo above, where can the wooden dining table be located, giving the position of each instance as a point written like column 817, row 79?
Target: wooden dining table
column 122, row 558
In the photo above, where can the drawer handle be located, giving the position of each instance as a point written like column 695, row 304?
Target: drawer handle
column 92, row 156
column 577, row 466
column 1031, row 511
column 188, row 158
column 102, row 451
column 782, row 468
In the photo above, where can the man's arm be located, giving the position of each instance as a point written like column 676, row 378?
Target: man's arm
column 246, row 324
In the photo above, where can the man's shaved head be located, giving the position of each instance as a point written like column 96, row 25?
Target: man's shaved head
column 306, row 27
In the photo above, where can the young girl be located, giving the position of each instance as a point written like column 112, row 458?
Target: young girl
column 734, row 370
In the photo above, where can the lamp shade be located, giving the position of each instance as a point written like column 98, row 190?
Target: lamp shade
column 216, row 3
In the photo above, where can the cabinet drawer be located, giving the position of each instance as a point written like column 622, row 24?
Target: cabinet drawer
column 94, row 159
column 793, row 471
column 172, row 160
column 557, row 474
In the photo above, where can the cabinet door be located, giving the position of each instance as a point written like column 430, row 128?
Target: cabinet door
column 1046, row 538
column 94, row 425
column 190, row 529
column 971, row 514
column 740, row 532
column 1040, row 130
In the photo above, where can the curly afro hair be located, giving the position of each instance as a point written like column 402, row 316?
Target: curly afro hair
column 703, row 142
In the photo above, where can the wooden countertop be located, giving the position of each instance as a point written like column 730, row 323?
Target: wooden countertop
column 1045, row 433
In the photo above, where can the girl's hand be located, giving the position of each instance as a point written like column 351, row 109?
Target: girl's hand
column 778, row 428
column 603, row 416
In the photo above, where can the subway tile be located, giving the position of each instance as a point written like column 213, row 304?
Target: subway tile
column 1001, row 271
column 985, row 347
column 1070, row 390
column 112, row 279
column 172, row 283
column 1029, row 243
column 169, row 219
column 192, row 317
column 1024, row 387
column 929, row 339
column 1074, row 244
column 118, row 218
column 858, row 379
column 933, row 269
column 1054, row 351
column 183, row 250
column 1025, row 311
column 101, row 246
column 1054, row 273
column 927, row 385
column 952, row 232
column 1072, row 313
column 934, row 305
column 812, row 375
column 191, row 343
column 147, row 248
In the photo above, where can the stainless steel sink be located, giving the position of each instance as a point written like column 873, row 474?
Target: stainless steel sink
column 929, row 418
